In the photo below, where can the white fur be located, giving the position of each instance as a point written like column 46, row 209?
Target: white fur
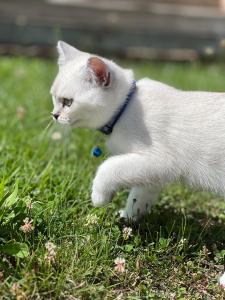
column 164, row 135
column 222, row 281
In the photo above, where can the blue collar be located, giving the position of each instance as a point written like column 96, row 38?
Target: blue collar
column 108, row 127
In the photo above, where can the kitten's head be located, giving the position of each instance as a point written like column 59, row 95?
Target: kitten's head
column 88, row 89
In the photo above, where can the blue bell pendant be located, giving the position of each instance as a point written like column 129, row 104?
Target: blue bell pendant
column 96, row 151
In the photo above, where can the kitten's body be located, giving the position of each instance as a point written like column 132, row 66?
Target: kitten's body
column 163, row 135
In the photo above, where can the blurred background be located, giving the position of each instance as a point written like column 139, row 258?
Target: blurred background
column 178, row 30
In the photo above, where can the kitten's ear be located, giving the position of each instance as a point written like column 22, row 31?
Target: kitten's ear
column 66, row 53
column 100, row 71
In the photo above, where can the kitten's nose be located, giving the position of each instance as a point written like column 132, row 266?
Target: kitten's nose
column 55, row 116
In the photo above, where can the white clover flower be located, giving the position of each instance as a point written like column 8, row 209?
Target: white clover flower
column 15, row 287
column 29, row 205
column 127, row 232
column 119, row 265
column 56, row 136
column 51, row 255
column 91, row 219
column 21, row 112
column 27, row 227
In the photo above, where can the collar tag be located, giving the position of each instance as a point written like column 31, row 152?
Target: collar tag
column 96, row 151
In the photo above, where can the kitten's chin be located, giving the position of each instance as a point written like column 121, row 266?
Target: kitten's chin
column 75, row 123
column 63, row 123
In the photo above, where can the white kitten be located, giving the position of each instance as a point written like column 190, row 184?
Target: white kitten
column 163, row 134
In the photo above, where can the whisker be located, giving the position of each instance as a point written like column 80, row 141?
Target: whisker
column 42, row 120
column 40, row 117
column 44, row 131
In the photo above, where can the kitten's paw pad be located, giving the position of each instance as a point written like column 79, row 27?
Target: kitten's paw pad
column 99, row 199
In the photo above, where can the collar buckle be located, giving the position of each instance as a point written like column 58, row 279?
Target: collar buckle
column 107, row 129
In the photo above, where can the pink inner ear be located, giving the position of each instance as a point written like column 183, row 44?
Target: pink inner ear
column 100, row 70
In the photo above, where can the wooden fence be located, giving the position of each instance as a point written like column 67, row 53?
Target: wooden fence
column 156, row 29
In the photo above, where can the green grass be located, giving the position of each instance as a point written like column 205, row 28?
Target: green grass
column 177, row 253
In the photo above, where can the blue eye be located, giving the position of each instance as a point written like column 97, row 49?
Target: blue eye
column 67, row 102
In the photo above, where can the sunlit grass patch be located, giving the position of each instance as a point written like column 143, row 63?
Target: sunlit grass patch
column 70, row 249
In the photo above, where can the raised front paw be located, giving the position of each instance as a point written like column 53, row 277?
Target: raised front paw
column 102, row 188
column 100, row 198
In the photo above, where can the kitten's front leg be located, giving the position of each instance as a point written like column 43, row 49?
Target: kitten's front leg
column 140, row 201
column 125, row 170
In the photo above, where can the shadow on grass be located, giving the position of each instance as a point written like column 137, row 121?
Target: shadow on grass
column 197, row 228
